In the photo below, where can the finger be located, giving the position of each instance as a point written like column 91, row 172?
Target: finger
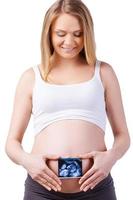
column 51, row 157
column 74, row 155
column 51, row 181
column 43, row 184
column 94, row 183
column 87, row 175
column 42, row 180
column 51, row 174
column 87, row 155
column 52, row 186
column 89, row 181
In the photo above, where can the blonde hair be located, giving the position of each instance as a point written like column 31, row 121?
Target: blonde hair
column 77, row 9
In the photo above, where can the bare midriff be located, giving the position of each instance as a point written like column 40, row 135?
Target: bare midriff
column 69, row 137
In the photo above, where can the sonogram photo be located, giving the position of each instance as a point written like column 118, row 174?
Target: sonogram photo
column 69, row 167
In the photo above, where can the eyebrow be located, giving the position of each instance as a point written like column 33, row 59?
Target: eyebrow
column 65, row 31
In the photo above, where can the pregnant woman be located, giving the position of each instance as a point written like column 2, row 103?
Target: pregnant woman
column 69, row 94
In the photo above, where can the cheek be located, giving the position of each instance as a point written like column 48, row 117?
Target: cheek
column 56, row 42
column 81, row 42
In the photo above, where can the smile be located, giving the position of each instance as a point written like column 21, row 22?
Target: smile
column 68, row 49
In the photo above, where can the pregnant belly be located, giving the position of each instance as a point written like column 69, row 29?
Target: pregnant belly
column 69, row 138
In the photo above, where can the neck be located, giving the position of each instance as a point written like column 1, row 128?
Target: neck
column 64, row 63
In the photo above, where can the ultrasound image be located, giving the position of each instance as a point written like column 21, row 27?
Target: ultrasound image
column 70, row 167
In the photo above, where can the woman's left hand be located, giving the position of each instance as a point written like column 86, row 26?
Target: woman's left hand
column 103, row 162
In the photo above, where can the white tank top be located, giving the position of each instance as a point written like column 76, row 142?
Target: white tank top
column 54, row 102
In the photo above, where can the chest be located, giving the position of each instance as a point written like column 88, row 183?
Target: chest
column 71, row 76
column 50, row 98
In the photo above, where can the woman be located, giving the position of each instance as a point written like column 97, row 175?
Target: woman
column 69, row 95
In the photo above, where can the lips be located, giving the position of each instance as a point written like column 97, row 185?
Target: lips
column 66, row 49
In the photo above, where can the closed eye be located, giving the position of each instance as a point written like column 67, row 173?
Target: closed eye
column 61, row 34
column 78, row 34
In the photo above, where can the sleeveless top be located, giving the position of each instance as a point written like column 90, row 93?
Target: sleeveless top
column 54, row 102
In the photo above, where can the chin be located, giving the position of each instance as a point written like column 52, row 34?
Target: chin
column 69, row 56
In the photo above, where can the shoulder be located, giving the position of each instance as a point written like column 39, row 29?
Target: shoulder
column 28, row 74
column 106, row 68
column 108, row 75
column 26, row 81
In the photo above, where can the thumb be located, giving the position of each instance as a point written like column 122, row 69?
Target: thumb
column 51, row 157
column 87, row 155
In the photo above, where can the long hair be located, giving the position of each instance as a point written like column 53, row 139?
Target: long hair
column 78, row 9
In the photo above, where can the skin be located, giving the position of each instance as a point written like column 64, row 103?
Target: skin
column 66, row 61
column 70, row 36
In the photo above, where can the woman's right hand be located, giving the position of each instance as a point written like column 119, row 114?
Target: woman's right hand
column 39, row 171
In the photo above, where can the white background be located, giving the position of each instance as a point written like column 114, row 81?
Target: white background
column 20, row 31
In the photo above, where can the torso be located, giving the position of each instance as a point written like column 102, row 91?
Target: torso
column 69, row 137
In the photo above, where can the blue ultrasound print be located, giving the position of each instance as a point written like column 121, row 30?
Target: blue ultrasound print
column 70, row 167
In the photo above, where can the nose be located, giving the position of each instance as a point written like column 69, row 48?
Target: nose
column 69, row 40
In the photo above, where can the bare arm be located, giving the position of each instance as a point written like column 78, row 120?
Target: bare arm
column 34, row 164
column 104, row 161
column 115, row 112
column 22, row 109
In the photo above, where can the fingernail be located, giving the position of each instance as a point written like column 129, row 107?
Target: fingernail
column 59, row 188
column 85, row 189
column 81, row 188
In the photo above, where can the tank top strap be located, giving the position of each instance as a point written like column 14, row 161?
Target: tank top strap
column 37, row 73
column 97, row 69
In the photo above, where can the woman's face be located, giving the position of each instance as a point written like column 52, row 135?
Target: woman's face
column 67, row 36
